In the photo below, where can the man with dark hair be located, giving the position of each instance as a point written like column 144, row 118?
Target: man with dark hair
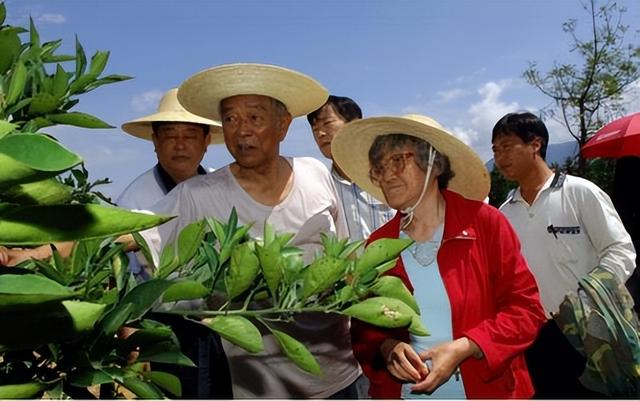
column 363, row 212
column 567, row 226
column 180, row 140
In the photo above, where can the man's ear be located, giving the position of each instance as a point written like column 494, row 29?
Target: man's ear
column 154, row 139
column 284, row 123
column 537, row 144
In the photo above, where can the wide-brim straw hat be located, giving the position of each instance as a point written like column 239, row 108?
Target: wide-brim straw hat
column 170, row 110
column 202, row 92
column 350, row 150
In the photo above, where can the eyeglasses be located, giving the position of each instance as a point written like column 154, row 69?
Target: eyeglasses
column 395, row 164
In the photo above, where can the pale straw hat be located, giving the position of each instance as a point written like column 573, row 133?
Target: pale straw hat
column 170, row 110
column 202, row 92
column 350, row 150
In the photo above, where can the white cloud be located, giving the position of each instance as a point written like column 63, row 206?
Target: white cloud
column 632, row 97
column 491, row 107
column 48, row 18
column 146, row 101
column 451, row 95
column 466, row 135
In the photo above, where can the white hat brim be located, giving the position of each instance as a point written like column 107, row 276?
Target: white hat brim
column 202, row 93
column 141, row 127
column 350, row 151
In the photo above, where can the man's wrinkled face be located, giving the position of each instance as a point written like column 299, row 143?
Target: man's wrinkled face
column 180, row 148
column 253, row 127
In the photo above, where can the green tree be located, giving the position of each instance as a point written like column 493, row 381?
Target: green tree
column 589, row 94
column 500, row 187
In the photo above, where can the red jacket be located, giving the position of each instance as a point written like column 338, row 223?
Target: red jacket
column 494, row 302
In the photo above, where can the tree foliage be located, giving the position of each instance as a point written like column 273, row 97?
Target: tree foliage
column 590, row 93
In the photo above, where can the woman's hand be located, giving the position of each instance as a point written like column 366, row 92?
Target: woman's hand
column 402, row 361
column 445, row 358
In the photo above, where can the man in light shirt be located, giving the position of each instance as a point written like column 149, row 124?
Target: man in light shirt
column 363, row 212
column 256, row 104
column 567, row 227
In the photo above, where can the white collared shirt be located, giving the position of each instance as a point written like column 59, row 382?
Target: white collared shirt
column 570, row 228
column 363, row 212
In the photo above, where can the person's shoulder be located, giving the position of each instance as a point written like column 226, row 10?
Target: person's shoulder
column 144, row 185
column 581, row 186
column 309, row 162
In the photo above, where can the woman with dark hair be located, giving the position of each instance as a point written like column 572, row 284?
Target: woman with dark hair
column 476, row 294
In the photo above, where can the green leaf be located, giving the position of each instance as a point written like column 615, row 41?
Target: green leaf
column 144, row 248
column 30, row 289
column 141, row 388
column 115, row 319
column 145, row 295
column 243, row 270
column 24, row 390
column 29, row 326
column 185, row 290
column 36, row 152
column 165, row 381
column 16, row 84
column 84, row 314
column 60, row 82
column 168, row 261
column 239, row 331
column 189, row 240
column 34, row 36
column 9, row 48
column 382, row 311
column 271, row 264
column 298, row 353
column 3, row 13
column 417, row 328
column 165, row 352
column 6, row 127
column 393, row 287
column 43, row 103
column 81, row 59
column 86, row 377
column 98, row 63
column 322, row 274
column 78, row 119
column 45, row 192
column 379, row 252
column 33, row 225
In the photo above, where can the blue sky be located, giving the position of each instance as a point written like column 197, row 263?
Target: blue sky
column 459, row 61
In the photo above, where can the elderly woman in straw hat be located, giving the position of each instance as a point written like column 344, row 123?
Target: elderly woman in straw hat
column 477, row 296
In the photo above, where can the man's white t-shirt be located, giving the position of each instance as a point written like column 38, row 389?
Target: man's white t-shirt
column 311, row 208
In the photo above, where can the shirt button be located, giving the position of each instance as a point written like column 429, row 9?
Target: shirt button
column 465, row 233
column 531, row 215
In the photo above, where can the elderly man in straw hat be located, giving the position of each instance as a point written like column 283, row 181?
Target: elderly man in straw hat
column 256, row 104
column 180, row 141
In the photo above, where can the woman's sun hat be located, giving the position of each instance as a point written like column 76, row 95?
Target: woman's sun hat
column 350, row 150
column 170, row 110
column 202, row 93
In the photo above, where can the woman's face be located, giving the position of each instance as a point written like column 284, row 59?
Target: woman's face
column 399, row 177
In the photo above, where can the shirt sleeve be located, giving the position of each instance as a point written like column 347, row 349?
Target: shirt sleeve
column 605, row 230
column 178, row 203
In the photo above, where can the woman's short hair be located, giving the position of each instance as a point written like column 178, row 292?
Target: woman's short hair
column 384, row 144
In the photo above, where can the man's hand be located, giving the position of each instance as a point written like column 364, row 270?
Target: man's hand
column 402, row 361
column 13, row 256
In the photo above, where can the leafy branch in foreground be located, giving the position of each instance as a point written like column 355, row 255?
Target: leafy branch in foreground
column 249, row 282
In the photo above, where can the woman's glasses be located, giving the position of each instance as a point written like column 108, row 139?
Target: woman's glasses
column 394, row 163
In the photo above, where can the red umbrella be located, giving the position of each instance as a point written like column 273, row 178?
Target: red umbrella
column 619, row 138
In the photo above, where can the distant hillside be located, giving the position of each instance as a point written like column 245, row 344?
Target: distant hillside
column 556, row 153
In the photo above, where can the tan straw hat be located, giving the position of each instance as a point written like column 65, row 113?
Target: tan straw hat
column 350, row 150
column 170, row 110
column 202, row 93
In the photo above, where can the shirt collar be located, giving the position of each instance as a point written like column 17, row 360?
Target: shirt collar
column 554, row 181
column 166, row 182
